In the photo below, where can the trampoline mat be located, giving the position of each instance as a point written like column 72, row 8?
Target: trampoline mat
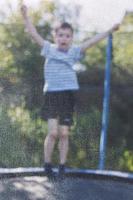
column 40, row 188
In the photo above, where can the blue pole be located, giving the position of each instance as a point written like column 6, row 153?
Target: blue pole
column 105, row 114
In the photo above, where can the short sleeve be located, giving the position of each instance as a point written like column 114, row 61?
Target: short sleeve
column 46, row 48
column 78, row 55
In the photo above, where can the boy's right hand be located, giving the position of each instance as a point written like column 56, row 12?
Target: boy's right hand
column 24, row 10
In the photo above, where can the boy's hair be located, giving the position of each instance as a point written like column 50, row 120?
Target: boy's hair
column 64, row 25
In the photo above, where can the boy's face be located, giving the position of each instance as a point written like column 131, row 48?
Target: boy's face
column 63, row 38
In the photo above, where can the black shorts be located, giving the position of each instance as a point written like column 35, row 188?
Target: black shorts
column 59, row 105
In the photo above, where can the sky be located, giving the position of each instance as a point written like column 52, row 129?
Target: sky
column 102, row 14
column 95, row 14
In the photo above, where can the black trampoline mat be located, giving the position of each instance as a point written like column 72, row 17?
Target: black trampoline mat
column 40, row 188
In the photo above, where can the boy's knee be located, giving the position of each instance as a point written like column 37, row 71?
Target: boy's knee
column 53, row 134
column 64, row 133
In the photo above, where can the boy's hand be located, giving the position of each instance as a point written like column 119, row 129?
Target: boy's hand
column 115, row 27
column 24, row 10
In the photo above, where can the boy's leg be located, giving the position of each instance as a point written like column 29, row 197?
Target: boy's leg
column 50, row 139
column 63, row 143
column 63, row 148
column 65, row 122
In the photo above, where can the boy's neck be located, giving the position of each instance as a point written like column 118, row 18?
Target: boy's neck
column 63, row 50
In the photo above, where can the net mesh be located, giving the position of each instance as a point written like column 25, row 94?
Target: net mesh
column 23, row 129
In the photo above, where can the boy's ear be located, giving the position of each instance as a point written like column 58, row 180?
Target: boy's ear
column 53, row 34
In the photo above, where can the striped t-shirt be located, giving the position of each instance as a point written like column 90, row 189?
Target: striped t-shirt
column 59, row 74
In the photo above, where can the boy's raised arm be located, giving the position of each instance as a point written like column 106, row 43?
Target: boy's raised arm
column 94, row 40
column 30, row 27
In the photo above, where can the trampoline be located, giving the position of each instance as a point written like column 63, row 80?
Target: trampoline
column 32, row 184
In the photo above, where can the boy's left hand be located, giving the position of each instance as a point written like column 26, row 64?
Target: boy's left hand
column 115, row 27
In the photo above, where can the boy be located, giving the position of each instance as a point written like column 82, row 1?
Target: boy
column 60, row 84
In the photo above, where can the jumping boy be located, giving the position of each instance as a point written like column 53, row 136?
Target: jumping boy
column 60, row 84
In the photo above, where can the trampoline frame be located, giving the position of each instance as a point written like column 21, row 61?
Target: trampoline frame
column 74, row 173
